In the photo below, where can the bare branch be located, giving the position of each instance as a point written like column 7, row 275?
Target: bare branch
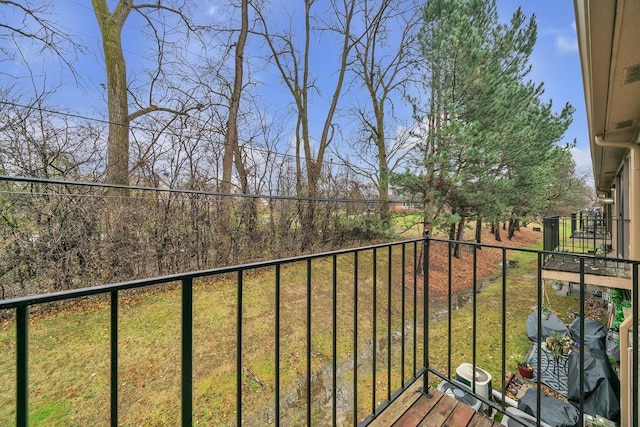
column 40, row 30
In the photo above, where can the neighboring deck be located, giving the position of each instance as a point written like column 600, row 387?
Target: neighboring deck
column 598, row 270
column 413, row 408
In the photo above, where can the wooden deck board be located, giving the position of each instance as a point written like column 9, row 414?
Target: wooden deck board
column 480, row 420
column 439, row 413
column 461, row 416
column 400, row 406
column 417, row 412
column 412, row 409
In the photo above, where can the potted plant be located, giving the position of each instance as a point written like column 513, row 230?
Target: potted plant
column 524, row 368
column 546, row 313
column 558, row 345
column 556, row 285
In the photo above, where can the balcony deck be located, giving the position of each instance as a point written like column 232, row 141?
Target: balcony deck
column 590, row 240
column 336, row 392
column 598, row 270
column 413, row 408
column 599, row 266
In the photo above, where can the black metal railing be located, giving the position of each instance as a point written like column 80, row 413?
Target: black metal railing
column 376, row 296
column 587, row 233
column 374, row 333
column 516, row 267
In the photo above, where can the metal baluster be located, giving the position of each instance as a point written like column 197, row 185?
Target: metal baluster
column 634, row 347
column 355, row 338
column 402, row 282
column 334, row 345
column 389, row 260
column 187, row 351
column 415, row 305
column 239, row 350
column 504, row 323
column 114, row 359
column 277, row 349
column 425, row 311
column 374, row 327
column 449, row 318
column 22, row 365
column 309, row 342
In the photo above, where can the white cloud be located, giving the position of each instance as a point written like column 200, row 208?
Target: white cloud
column 212, row 11
column 566, row 45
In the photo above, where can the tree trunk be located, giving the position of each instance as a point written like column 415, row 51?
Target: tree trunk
column 478, row 229
column 119, row 236
column 513, row 223
column 497, row 231
column 231, row 149
column 460, row 238
column 117, row 98
column 383, row 188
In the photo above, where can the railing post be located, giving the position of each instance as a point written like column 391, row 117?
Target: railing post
column 22, row 366
column 425, row 310
column 187, row 351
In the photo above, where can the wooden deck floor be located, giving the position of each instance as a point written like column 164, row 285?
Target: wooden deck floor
column 413, row 408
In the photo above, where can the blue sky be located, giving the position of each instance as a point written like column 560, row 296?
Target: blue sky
column 555, row 60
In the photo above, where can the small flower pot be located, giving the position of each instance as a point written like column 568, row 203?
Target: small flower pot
column 525, row 371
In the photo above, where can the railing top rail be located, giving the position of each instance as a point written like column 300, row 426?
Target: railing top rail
column 141, row 283
column 534, row 251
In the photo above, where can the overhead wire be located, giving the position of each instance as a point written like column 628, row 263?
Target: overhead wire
column 85, row 184
column 145, row 129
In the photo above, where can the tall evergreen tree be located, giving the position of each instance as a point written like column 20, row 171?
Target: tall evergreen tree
column 484, row 128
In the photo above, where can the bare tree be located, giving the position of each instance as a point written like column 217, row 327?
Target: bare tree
column 292, row 60
column 231, row 150
column 384, row 64
column 29, row 21
column 111, row 24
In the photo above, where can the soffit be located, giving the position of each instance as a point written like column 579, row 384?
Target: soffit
column 609, row 41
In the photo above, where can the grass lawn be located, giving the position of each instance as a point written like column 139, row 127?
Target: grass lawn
column 521, row 299
column 69, row 351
